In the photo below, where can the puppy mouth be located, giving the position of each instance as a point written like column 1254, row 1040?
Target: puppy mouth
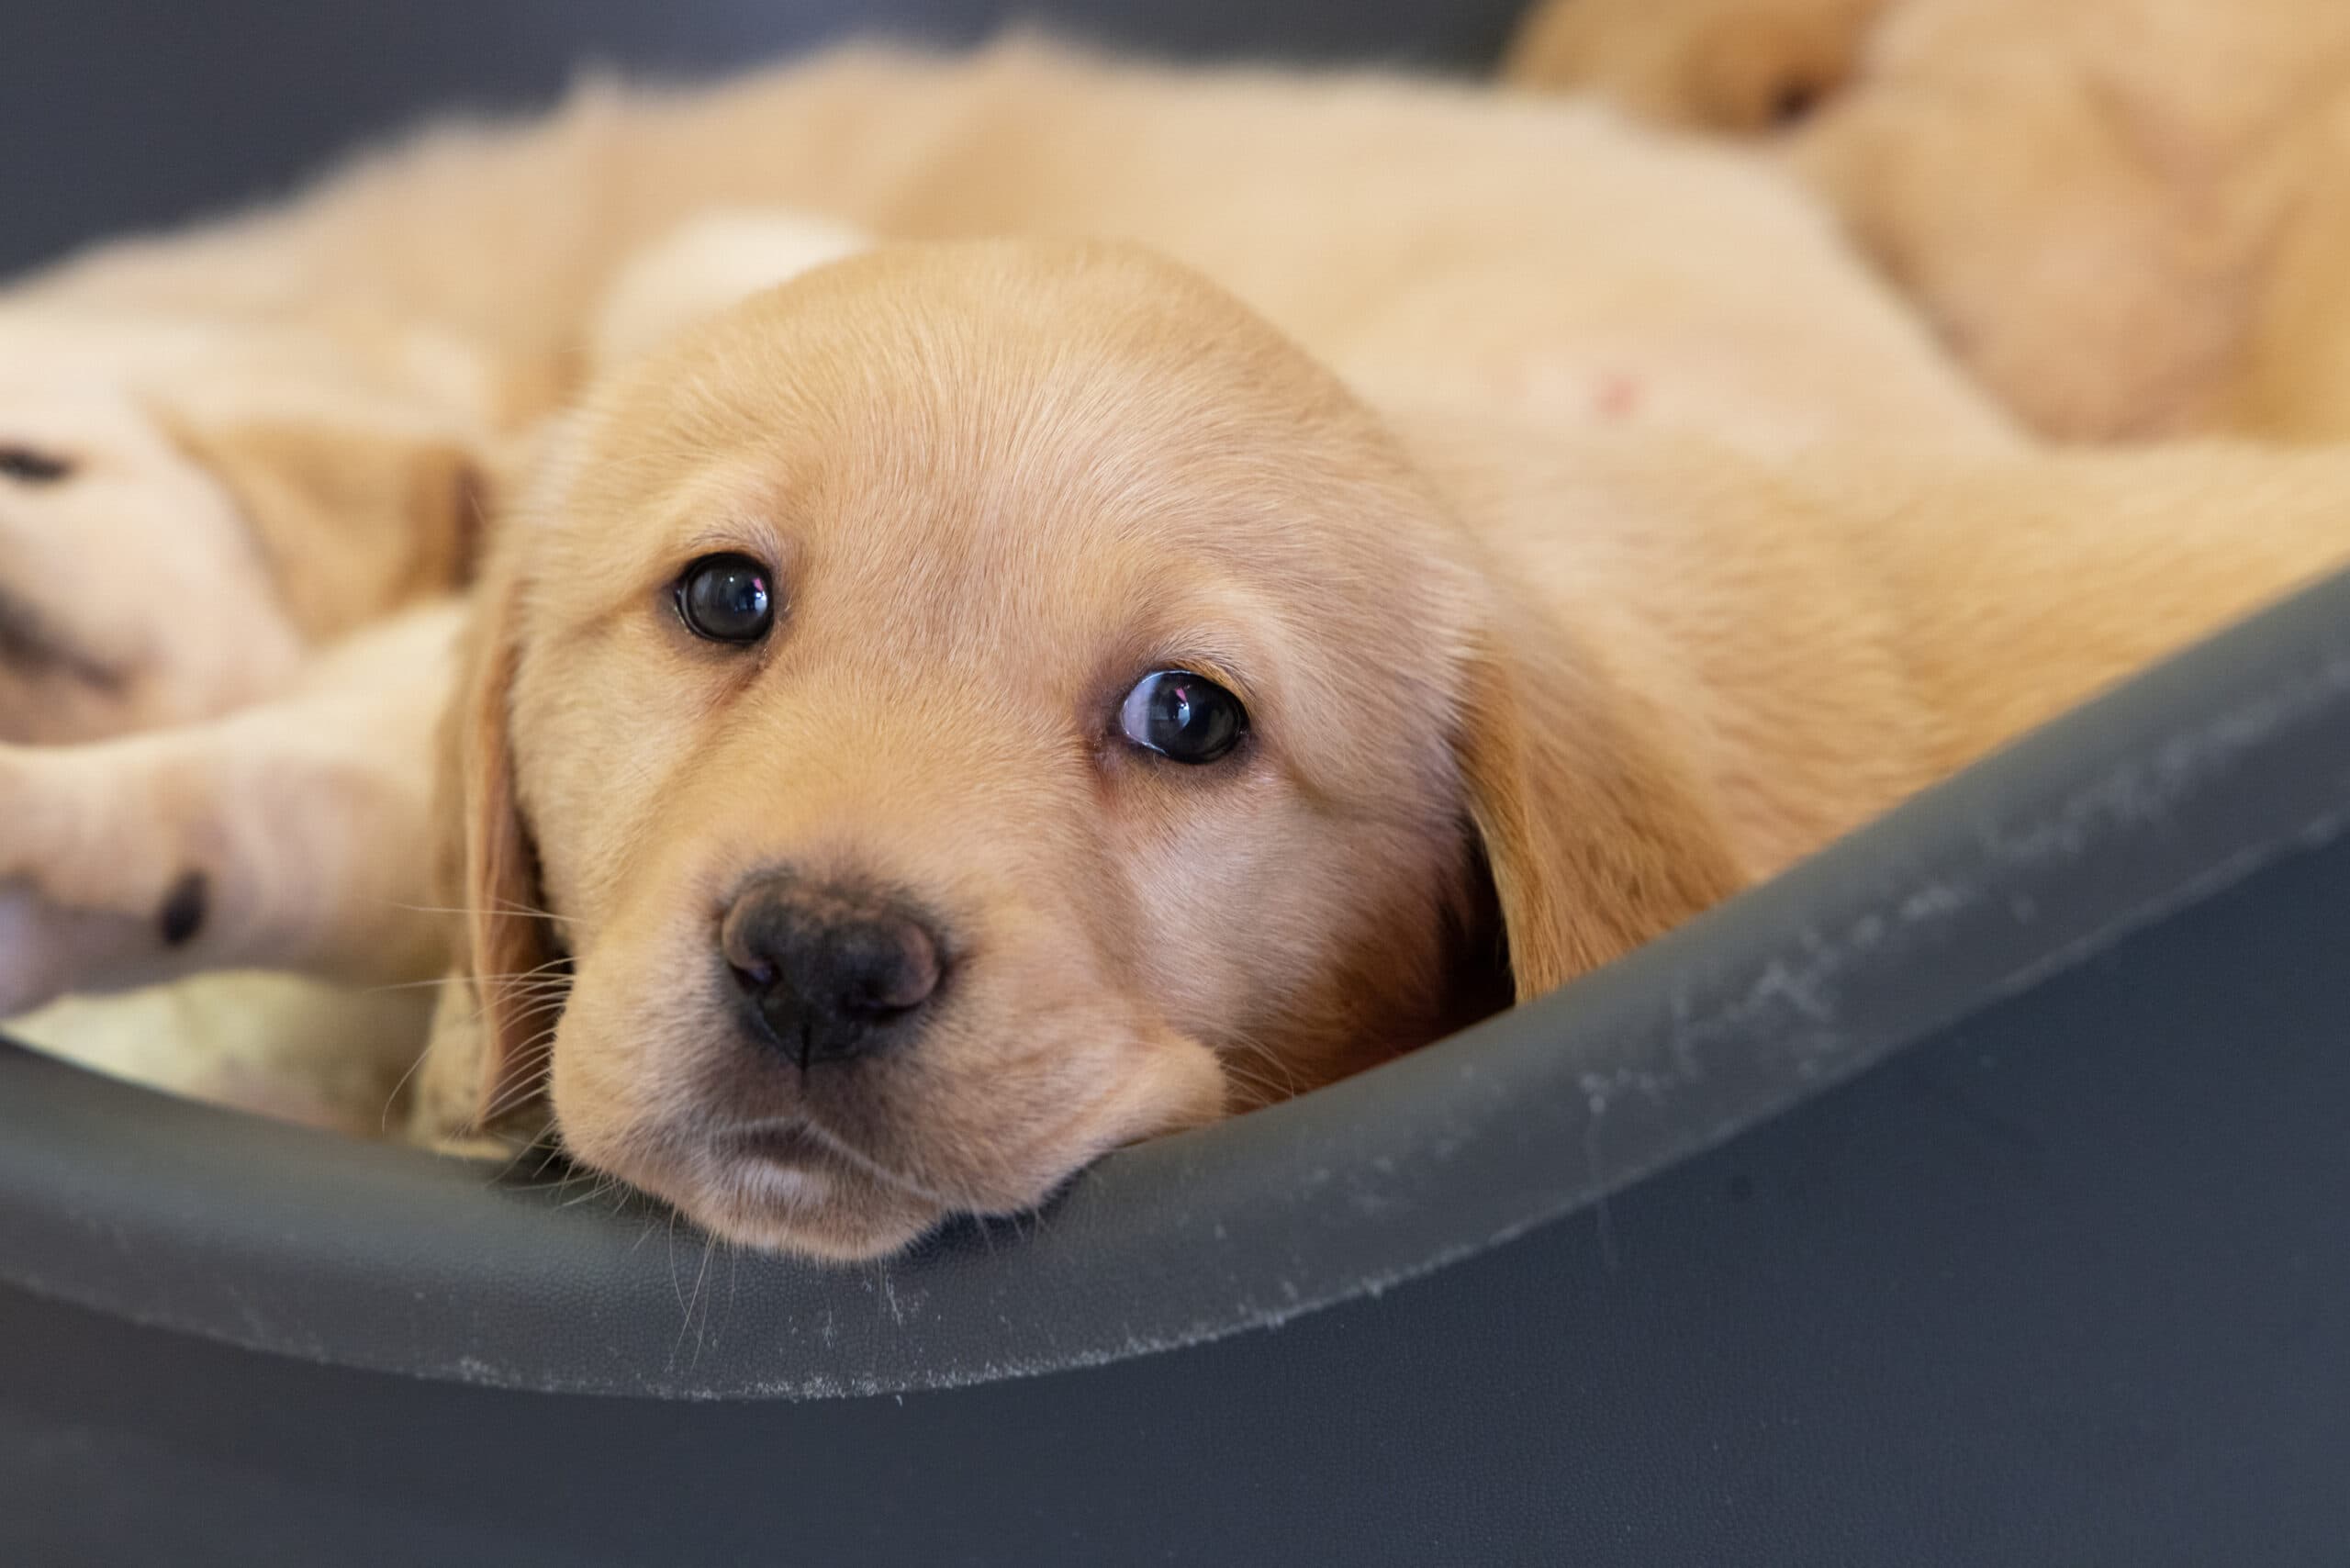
column 799, row 1147
column 787, row 1186
column 786, row 1144
column 849, row 1161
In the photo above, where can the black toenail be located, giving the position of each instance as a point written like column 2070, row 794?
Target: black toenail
column 184, row 910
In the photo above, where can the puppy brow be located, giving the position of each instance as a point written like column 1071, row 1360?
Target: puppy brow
column 29, row 643
column 1223, row 665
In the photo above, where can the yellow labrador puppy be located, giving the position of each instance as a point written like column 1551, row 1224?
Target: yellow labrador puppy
column 976, row 705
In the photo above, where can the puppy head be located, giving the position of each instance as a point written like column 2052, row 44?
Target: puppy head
column 177, row 522
column 976, row 706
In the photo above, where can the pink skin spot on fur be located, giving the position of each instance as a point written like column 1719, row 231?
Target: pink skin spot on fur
column 1617, row 398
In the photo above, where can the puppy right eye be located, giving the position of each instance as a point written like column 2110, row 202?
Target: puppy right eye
column 1184, row 717
column 726, row 598
column 27, row 465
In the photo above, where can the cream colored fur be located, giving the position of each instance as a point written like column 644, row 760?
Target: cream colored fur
column 1543, row 257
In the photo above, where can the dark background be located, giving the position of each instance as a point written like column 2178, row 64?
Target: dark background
column 120, row 114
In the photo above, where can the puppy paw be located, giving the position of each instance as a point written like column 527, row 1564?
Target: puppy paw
column 45, row 949
column 95, row 893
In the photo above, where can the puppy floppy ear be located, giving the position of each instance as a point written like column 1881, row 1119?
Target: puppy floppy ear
column 356, row 511
column 488, row 1051
column 1596, row 839
column 704, row 266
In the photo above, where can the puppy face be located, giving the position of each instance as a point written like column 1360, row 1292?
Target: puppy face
column 183, row 512
column 966, row 710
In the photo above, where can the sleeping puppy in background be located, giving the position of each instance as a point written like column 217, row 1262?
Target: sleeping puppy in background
column 977, row 705
column 2122, row 241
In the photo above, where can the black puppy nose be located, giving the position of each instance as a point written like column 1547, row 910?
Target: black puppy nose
column 830, row 972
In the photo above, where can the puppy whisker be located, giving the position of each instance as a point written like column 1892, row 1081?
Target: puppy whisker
column 520, row 912
column 384, row 1123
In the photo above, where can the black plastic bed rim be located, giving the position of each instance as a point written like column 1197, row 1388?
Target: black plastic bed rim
column 172, row 1216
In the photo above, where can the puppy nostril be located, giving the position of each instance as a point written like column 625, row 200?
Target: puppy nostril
column 887, row 967
column 753, row 976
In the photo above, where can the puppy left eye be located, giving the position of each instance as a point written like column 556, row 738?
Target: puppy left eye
column 726, row 598
column 1184, row 717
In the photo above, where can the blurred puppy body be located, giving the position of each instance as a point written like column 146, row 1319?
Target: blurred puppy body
column 2125, row 216
column 192, row 509
column 1535, row 256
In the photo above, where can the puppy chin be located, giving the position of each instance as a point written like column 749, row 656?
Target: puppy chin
column 790, row 1179
column 822, row 1210
column 1004, row 1142
column 774, row 1185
